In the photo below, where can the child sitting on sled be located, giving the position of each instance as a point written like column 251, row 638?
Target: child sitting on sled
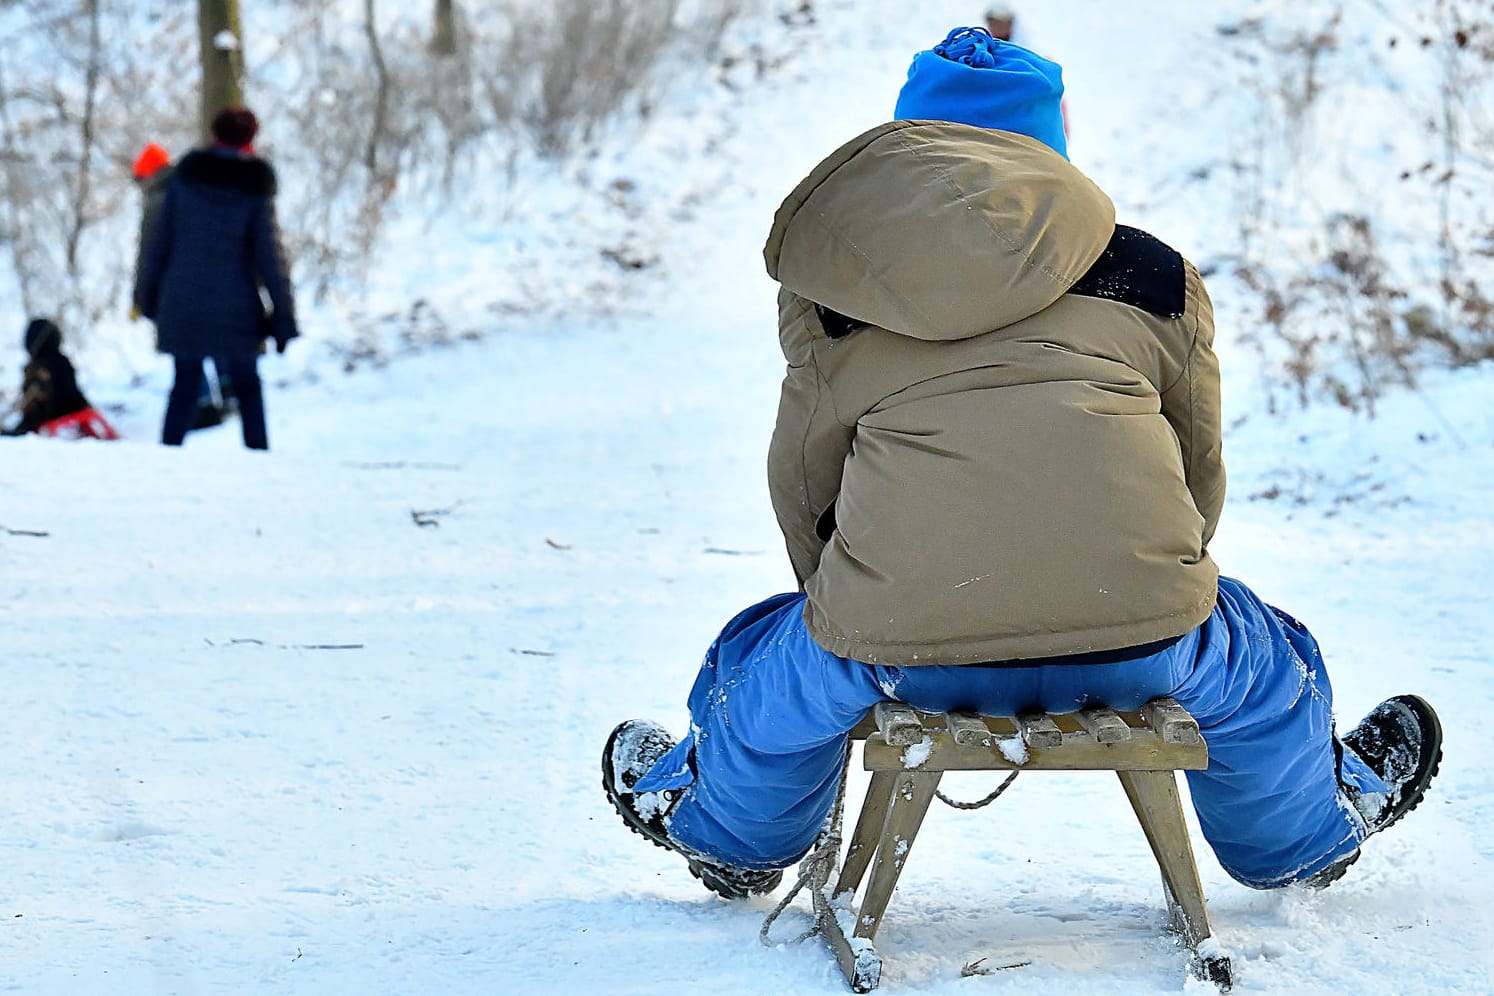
column 51, row 403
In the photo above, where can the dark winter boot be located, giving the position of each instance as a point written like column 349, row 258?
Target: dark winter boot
column 1401, row 741
column 631, row 751
column 206, row 416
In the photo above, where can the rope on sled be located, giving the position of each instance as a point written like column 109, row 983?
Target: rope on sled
column 979, row 803
column 817, row 866
column 815, row 869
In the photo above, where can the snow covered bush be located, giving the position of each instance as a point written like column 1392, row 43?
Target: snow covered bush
column 79, row 96
column 1360, row 178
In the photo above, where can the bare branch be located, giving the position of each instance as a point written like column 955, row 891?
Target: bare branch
column 381, row 89
column 85, row 162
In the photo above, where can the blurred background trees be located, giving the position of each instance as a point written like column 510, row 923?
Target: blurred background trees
column 361, row 102
column 1352, row 186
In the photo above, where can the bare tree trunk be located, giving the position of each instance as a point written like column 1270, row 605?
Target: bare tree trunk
column 381, row 94
column 221, row 48
column 12, row 201
column 443, row 38
column 83, row 190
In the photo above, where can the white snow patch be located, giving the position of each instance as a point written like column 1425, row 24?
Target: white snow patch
column 915, row 754
column 1014, row 749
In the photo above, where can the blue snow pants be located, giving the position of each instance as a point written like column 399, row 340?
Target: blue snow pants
column 771, row 711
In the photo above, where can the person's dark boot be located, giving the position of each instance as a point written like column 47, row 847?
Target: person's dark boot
column 632, row 749
column 1401, row 741
column 206, row 416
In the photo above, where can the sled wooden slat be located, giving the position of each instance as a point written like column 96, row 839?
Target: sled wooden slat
column 1039, row 730
column 908, row 752
column 1171, row 721
column 1142, row 751
column 1104, row 725
column 898, row 724
column 969, row 730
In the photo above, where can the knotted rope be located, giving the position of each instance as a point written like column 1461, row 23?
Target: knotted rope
column 816, row 867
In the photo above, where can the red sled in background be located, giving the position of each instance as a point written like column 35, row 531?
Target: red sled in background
column 86, row 424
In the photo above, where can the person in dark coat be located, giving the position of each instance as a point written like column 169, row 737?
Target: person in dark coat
column 49, row 385
column 216, row 244
column 152, row 171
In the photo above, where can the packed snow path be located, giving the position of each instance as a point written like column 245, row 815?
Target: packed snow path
column 265, row 732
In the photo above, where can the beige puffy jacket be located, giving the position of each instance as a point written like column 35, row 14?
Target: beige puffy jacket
column 998, row 437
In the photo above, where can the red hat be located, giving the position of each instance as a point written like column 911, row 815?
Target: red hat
column 151, row 160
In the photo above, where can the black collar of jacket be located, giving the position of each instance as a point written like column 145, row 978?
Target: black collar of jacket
column 252, row 176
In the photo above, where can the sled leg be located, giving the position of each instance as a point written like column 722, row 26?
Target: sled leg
column 863, row 846
column 1154, row 795
column 858, row 960
column 911, row 794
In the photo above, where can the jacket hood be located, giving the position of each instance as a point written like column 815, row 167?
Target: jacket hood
column 938, row 230
column 42, row 337
column 227, row 171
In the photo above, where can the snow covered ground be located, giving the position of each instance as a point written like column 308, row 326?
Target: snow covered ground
column 265, row 732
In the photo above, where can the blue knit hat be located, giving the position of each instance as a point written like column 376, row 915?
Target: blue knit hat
column 972, row 78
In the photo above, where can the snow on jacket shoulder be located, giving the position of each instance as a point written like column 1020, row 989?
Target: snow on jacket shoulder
column 998, row 437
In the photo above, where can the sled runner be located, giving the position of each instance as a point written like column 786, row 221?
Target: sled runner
column 87, row 424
